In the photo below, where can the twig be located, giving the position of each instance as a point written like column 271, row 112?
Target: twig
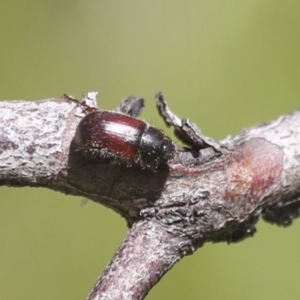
column 208, row 192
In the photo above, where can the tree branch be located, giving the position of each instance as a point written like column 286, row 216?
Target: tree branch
column 207, row 192
column 34, row 142
column 146, row 254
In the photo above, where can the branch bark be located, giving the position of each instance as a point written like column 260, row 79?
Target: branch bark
column 213, row 193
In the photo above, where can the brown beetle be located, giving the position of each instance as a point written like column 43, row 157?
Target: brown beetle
column 119, row 138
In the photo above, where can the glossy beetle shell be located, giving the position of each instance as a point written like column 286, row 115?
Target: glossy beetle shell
column 122, row 139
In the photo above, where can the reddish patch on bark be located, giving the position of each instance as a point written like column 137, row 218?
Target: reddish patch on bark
column 253, row 170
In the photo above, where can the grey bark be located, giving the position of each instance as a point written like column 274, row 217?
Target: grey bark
column 170, row 212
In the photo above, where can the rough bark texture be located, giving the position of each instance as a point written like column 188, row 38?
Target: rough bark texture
column 216, row 192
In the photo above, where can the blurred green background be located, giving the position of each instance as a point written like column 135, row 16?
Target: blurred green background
column 224, row 64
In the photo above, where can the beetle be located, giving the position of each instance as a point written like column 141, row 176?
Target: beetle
column 118, row 138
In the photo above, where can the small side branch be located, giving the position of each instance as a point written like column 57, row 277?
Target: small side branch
column 146, row 254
